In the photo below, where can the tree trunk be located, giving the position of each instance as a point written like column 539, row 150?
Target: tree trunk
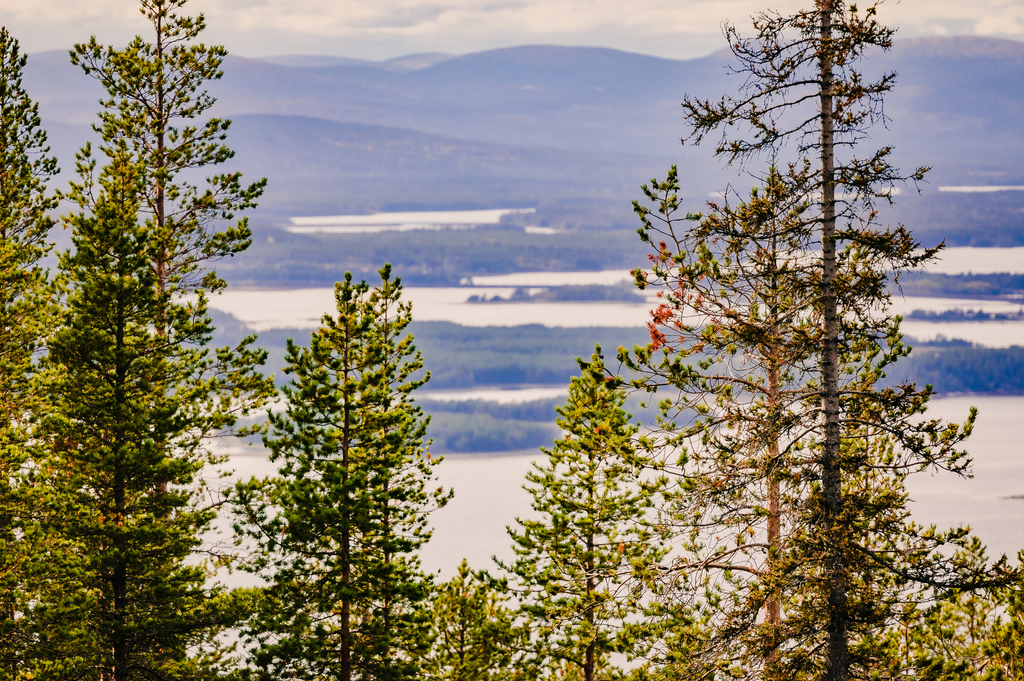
column 160, row 265
column 837, row 658
column 346, row 551
column 589, row 659
column 773, row 606
column 159, row 164
column 119, row 576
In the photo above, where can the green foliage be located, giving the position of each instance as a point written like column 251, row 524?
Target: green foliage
column 26, row 314
column 150, row 86
column 968, row 635
column 337, row 529
column 475, row 636
column 581, row 564
column 134, row 392
column 761, row 540
column 131, row 410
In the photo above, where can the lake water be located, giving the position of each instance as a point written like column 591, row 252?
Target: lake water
column 978, row 261
column 303, row 308
column 401, row 222
column 489, row 494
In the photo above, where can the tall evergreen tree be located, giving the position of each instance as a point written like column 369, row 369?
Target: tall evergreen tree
column 131, row 408
column 337, row 529
column 580, row 566
column 135, row 395
column 26, row 313
column 796, row 538
column 150, row 87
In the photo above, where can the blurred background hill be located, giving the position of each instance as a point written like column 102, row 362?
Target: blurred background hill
column 560, row 127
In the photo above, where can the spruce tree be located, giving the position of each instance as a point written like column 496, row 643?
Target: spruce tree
column 581, row 564
column 130, row 409
column 26, row 313
column 796, row 543
column 337, row 529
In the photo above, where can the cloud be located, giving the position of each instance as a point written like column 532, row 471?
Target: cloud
column 386, row 28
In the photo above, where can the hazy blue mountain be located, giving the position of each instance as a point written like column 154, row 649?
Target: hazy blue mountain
column 320, row 167
column 409, row 62
column 557, row 126
column 961, row 95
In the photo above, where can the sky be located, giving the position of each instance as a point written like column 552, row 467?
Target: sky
column 381, row 29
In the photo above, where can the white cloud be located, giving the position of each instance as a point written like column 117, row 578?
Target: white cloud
column 384, row 28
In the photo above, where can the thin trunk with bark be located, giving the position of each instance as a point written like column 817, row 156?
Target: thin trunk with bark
column 589, row 662
column 160, row 163
column 773, row 606
column 837, row 656
column 346, row 544
column 119, row 576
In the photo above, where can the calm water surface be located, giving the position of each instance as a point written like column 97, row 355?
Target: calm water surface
column 303, row 308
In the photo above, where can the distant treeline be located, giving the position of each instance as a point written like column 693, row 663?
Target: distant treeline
column 482, row 433
column 995, row 371
column 467, row 357
column 959, row 285
column 479, row 426
column 425, row 258
column 625, row 293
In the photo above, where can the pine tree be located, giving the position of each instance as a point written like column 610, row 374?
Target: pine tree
column 473, row 632
column 581, row 565
column 150, row 86
column 732, row 334
column 131, row 408
column 25, row 316
column 337, row 529
column 796, row 542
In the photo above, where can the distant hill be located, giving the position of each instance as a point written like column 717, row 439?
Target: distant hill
column 538, row 124
column 410, row 62
column 321, row 167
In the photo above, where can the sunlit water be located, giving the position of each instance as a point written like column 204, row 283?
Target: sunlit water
column 303, row 308
column 989, row 334
column 401, row 222
column 904, row 305
column 978, row 261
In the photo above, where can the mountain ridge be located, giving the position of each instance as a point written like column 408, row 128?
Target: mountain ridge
column 530, row 124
